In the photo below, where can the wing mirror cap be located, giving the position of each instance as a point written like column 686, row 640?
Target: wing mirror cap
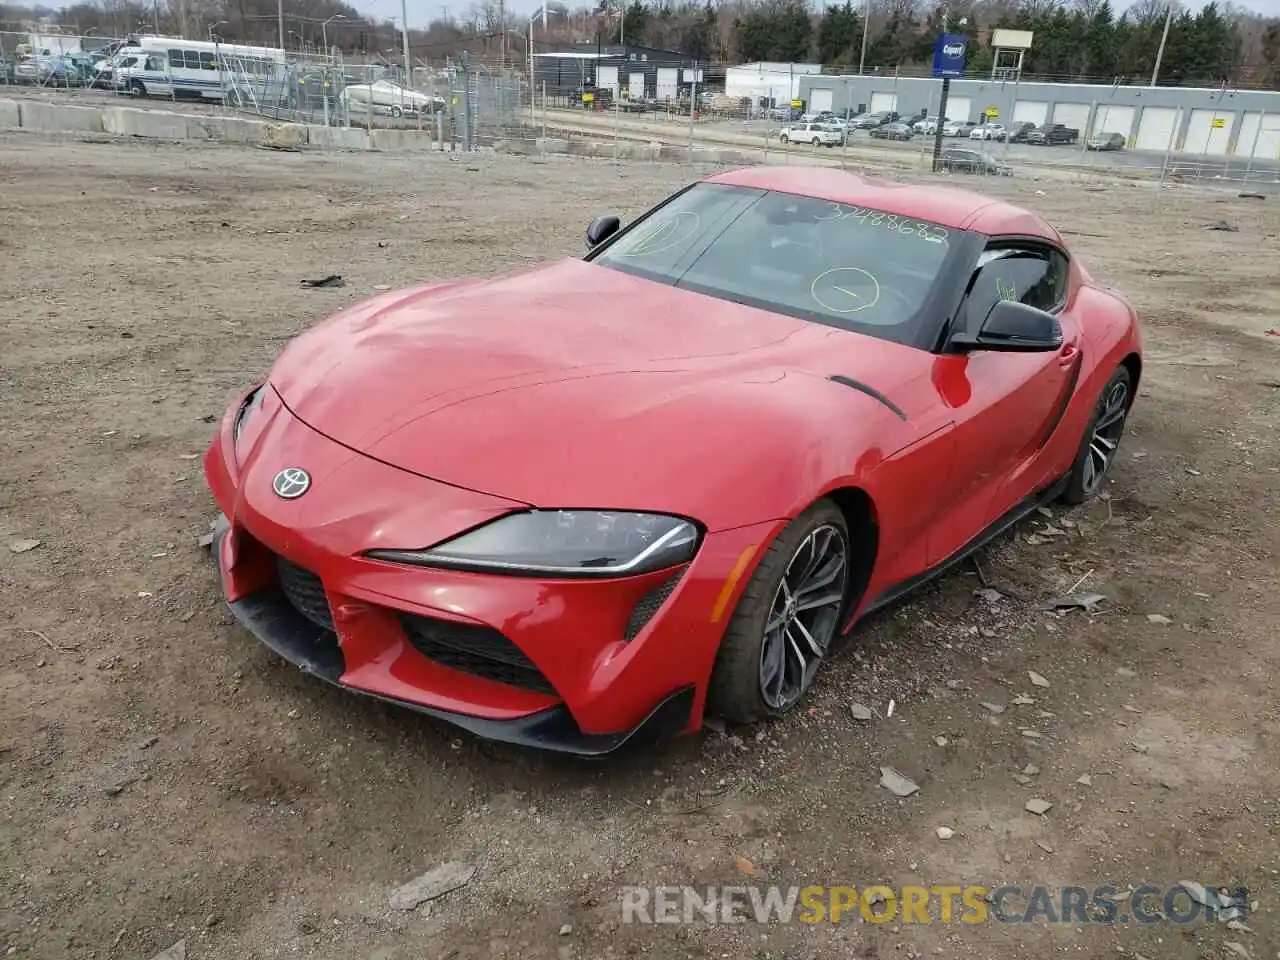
column 601, row 229
column 1014, row 327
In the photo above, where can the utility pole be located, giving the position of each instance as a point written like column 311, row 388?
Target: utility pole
column 866, row 23
column 404, row 33
column 502, row 26
column 1164, row 38
column 280, row 20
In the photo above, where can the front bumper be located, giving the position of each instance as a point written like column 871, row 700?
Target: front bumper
column 583, row 666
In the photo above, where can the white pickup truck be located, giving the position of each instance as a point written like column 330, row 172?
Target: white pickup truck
column 818, row 134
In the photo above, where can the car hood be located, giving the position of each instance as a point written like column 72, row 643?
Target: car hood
column 574, row 384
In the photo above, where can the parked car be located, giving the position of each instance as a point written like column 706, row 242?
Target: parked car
column 370, row 534
column 1106, row 141
column 869, row 121
column 387, row 96
column 43, row 69
column 955, row 160
column 892, row 131
column 958, row 128
column 818, row 134
column 1048, row 134
column 928, row 125
column 1017, row 132
column 987, row 131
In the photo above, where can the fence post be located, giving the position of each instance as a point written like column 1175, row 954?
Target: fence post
column 544, row 110
column 466, row 102
column 1253, row 147
column 1177, row 122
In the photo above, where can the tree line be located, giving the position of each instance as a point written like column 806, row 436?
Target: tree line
column 1078, row 40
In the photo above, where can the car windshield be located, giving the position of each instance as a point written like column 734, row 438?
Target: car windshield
column 839, row 264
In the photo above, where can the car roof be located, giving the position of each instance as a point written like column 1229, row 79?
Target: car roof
column 950, row 207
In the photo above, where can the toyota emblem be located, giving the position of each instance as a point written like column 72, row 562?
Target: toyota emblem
column 291, row 483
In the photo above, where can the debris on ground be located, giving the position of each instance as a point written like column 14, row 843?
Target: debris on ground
column 945, row 833
column 1088, row 602
column 1084, row 780
column 1223, row 226
column 941, row 741
column 859, row 712
column 1022, row 700
column 176, row 951
column 989, row 594
column 333, row 280
column 896, row 783
column 1045, row 846
column 1037, row 806
column 746, row 867
column 23, row 546
column 1158, row 618
column 566, row 929
column 995, row 708
column 1036, row 679
column 432, row 884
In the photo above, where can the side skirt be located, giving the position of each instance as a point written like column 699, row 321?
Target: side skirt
column 1001, row 525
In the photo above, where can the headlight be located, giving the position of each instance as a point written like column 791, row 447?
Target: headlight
column 247, row 409
column 562, row 543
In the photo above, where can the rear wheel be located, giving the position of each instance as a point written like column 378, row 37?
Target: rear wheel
column 1101, row 439
column 397, row 112
column 817, row 142
column 785, row 139
column 785, row 621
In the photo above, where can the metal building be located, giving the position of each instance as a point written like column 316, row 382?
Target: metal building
column 1201, row 121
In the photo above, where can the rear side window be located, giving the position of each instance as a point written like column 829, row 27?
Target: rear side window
column 1036, row 276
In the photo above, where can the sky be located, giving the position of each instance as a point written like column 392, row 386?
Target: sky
column 420, row 12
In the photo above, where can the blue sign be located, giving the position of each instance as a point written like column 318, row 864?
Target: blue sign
column 948, row 55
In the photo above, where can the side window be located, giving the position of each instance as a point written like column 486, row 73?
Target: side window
column 1036, row 276
column 175, row 57
column 156, row 62
column 207, row 62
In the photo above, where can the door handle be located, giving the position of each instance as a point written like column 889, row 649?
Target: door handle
column 1067, row 355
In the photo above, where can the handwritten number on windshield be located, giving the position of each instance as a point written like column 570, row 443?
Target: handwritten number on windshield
column 886, row 221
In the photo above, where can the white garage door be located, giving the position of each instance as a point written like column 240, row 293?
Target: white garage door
column 635, row 89
column 1156, row 127
column 1112, row 119
column 608, row 78
column 958, row 108
column 1072, row 115
column 668, row 82
column 1030, row 111
column 1268, row 143
column 1208, row 132
column 1259, row 135
column 820, row 99
column 883, row 101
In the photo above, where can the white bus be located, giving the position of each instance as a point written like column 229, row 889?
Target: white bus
column 173, row 67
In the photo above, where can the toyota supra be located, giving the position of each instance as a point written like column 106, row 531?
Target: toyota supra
column 590, row 502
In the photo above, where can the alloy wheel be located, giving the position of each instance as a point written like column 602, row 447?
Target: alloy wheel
column 804, row 616
column 1113, row 409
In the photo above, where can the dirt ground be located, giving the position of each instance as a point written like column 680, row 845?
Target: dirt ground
column 164, row 778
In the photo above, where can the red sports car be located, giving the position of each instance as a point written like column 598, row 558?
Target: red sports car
column 589, row 502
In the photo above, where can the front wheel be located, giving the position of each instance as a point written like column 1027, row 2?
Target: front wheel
column 397, row 112
column 785, row 621
column 137, row 88
column 817, row 142
column 784, row 138
column 1101, row 439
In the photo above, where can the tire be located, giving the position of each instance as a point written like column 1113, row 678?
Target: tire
column 396, row 112
column 737, row 691
column 137, row 88
column 1106, row 428
column 784, row 138
column 816, row 142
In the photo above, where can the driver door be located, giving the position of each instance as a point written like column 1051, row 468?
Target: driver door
column 1005, row 404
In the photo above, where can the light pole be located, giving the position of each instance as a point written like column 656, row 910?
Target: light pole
column 280, row 21
column 404, row 33
column 1164, row 38
column 541, row 12
column 324, row 30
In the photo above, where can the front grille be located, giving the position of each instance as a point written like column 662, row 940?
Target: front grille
column 480, row 651
column 643, row 611
column 305, row 592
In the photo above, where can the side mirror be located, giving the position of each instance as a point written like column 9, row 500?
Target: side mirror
column 601, row 229
column 1014, row 327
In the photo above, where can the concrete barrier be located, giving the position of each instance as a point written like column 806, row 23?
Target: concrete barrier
column 403, row 141
column 551, row 145
column 153, row 124
column 338, row 138
column 284, row 136
column 38, row 115
column 10, row 116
